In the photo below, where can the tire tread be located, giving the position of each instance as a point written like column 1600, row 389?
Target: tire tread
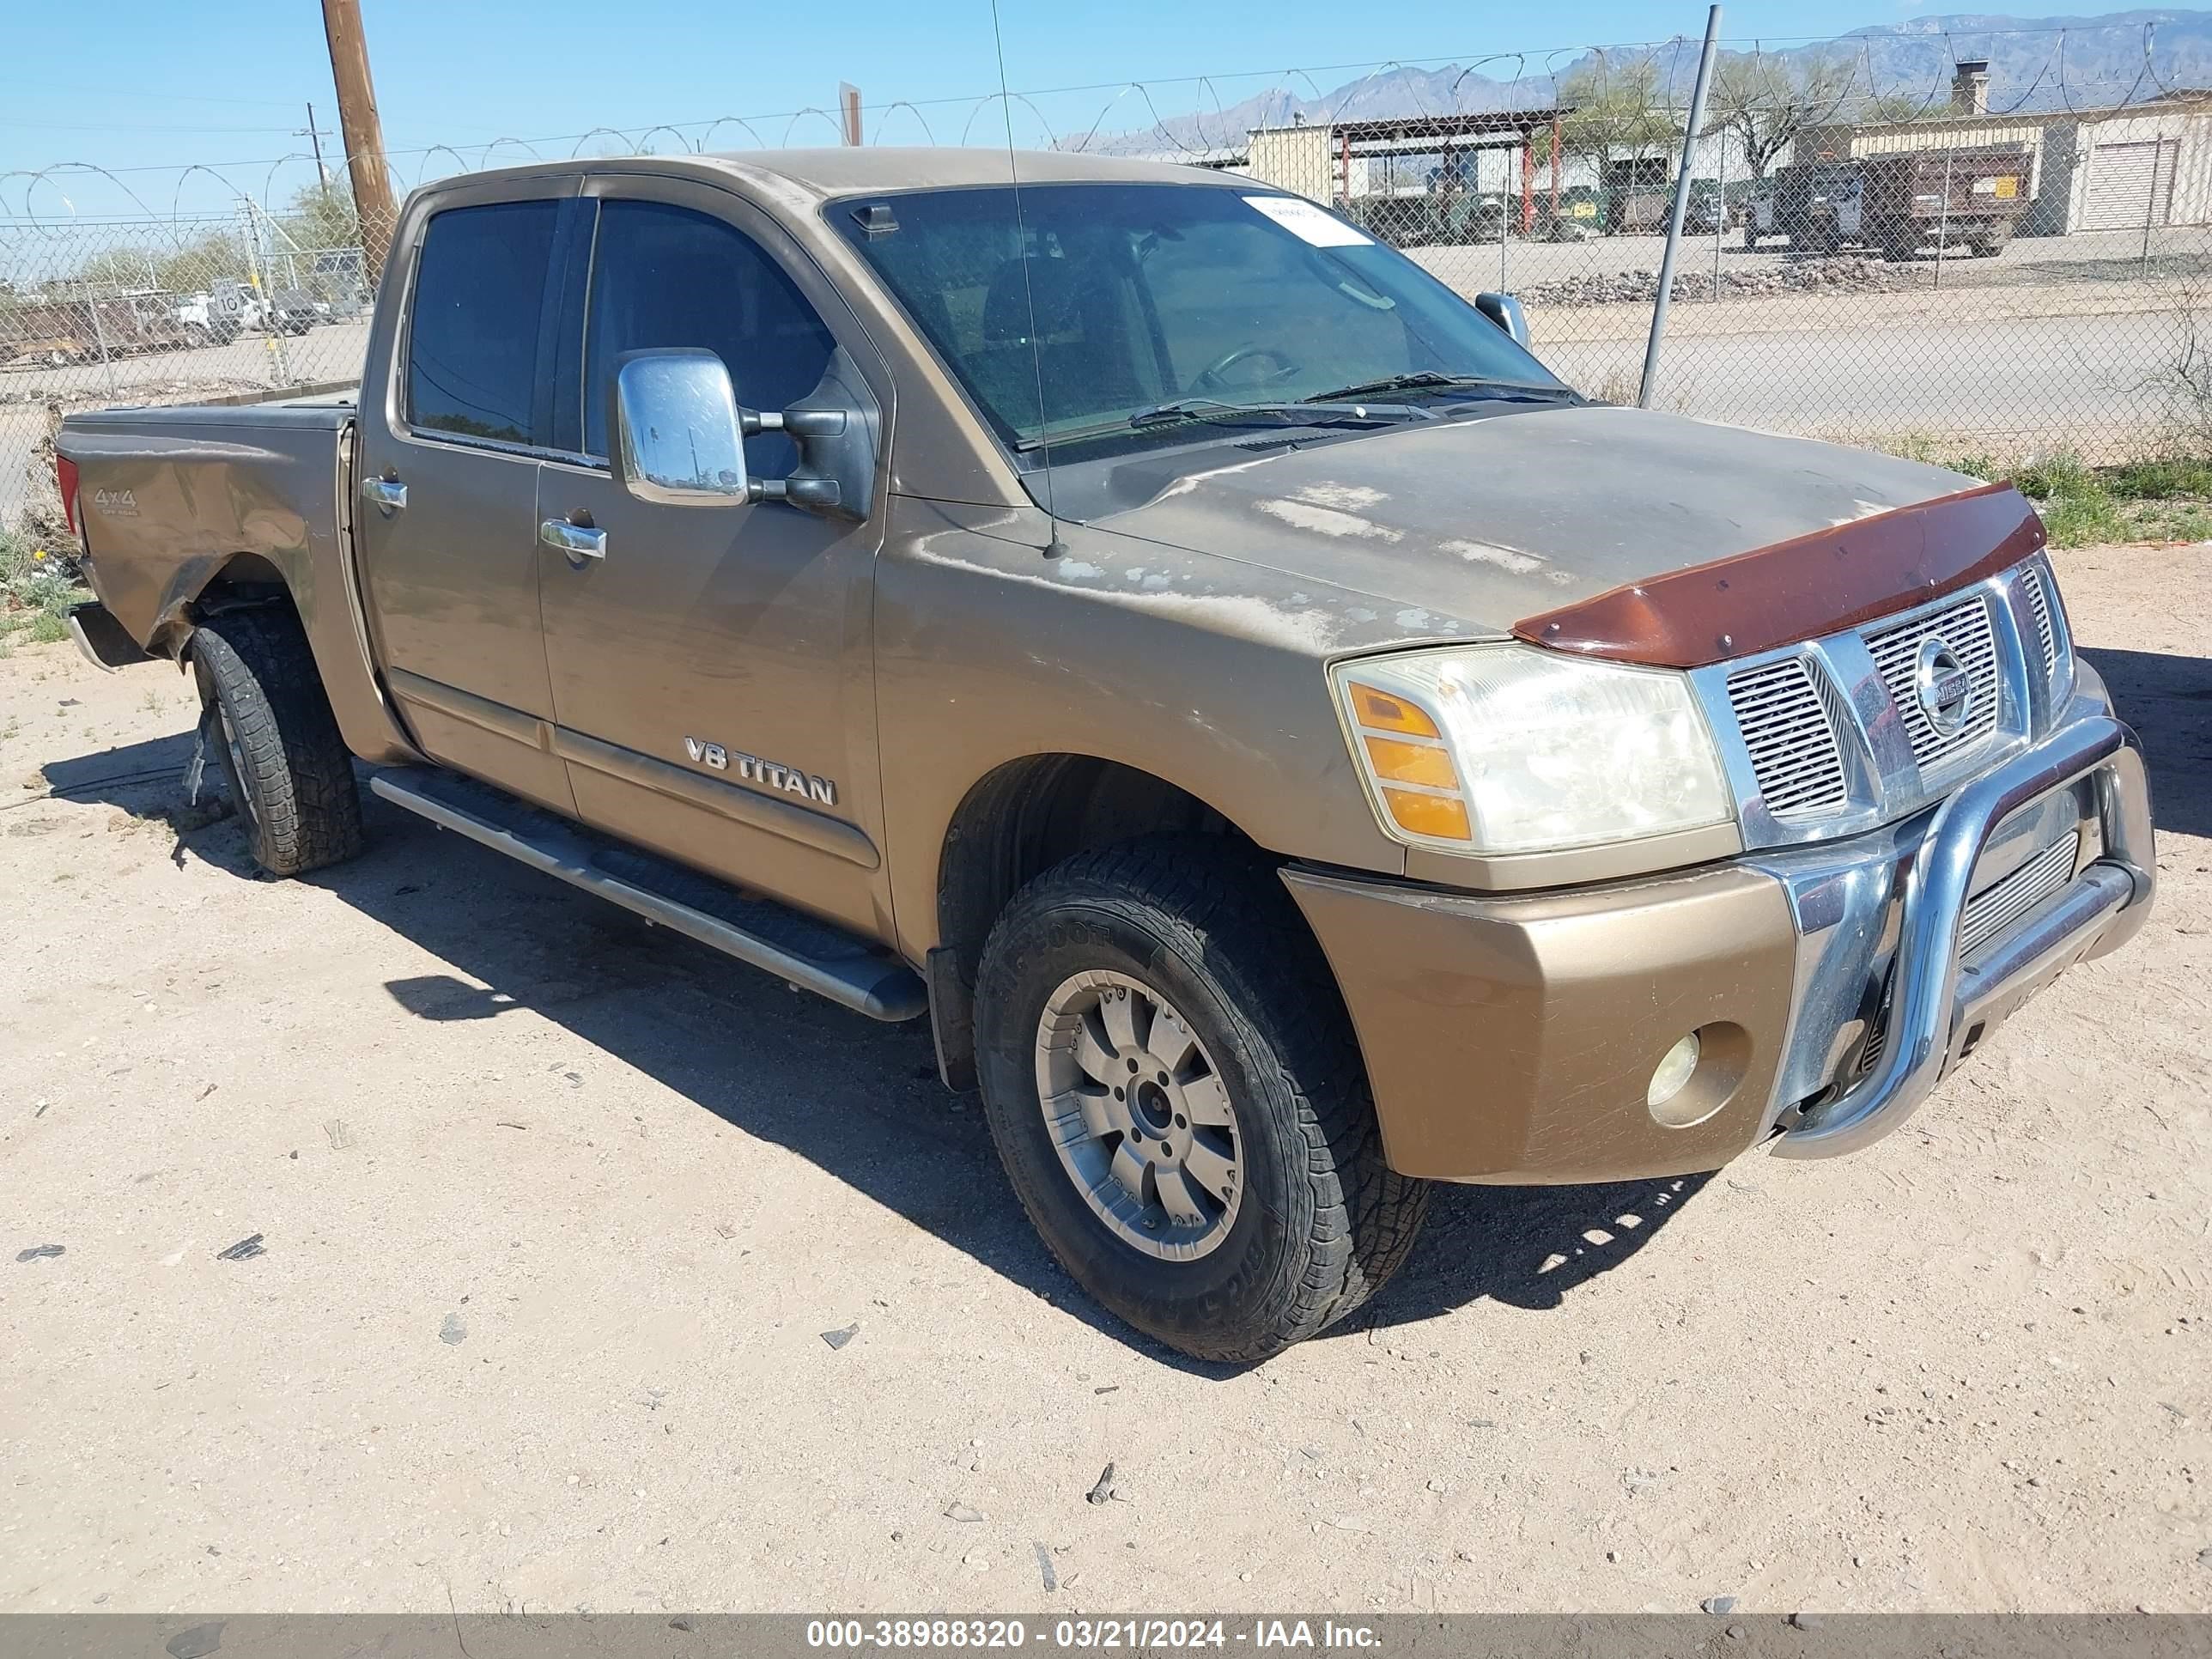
column 298, row 767
column 1227, row 908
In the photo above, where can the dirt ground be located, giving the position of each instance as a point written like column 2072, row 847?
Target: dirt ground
column 554, row 1213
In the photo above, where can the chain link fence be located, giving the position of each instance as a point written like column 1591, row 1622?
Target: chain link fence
column 1946, row 281
column 1990, row 247
column 163, row 312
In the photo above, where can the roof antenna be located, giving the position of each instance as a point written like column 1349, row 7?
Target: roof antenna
column 1054, row 547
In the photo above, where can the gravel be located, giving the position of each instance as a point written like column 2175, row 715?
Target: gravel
column 1847, row 274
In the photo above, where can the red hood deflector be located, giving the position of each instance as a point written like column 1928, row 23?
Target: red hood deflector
column 1799, row 589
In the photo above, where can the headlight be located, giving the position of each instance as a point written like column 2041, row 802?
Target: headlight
column 1506, row 749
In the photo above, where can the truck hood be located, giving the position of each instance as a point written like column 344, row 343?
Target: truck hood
column 1488, row 520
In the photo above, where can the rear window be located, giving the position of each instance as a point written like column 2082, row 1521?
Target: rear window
column 472, row 342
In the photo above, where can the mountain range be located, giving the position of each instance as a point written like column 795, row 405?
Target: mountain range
column 2035, row 64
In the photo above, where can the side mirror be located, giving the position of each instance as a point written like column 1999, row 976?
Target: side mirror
column 677, row 437
column 1504, row 310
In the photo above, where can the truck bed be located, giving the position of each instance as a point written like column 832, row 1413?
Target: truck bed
column 170, row 497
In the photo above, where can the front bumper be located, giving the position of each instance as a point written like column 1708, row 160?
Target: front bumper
column 1513, row 1039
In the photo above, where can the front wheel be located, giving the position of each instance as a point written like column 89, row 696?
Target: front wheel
column 1176, row 1094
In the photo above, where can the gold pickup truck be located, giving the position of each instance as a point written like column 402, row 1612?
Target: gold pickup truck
column 1293, row 748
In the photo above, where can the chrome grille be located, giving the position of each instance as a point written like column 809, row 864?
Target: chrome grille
column 2039, row 604
column 1877, row 1039
column 1968, row 630
column 1795, row 755
column 2005, row 901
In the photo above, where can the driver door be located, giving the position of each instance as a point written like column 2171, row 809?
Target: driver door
column 736, row 633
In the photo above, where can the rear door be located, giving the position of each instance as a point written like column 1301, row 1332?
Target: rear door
column 447, row 523
column 711, row 670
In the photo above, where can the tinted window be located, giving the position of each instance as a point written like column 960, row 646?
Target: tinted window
column 1105, row 299
column 472, row 344
column 664, row 276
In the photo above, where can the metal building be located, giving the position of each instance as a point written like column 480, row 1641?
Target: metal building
column 2119, row 167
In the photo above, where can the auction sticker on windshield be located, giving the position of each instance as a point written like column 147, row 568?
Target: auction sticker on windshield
column 1309, row 223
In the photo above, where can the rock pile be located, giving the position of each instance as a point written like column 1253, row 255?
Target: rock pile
column 1847, row 274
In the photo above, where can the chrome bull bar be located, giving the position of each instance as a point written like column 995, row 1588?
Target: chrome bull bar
column 1937, row 1004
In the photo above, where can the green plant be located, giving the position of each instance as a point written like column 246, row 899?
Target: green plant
column 36, row 592
column 2077, row 521
column 2155, row 498
column 2169, row 478
column 1938, row 451
column 2057, row 478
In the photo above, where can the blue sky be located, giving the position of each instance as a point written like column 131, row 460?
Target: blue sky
column 154, row 86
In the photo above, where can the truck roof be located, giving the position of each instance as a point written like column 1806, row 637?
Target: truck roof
column 866, row 169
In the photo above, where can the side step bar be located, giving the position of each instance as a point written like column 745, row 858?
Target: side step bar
column 813, row 955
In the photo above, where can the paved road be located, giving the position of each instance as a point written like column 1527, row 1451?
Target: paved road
column 2050, row 381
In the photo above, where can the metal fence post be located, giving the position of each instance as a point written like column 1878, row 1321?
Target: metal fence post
column 1505, row 222
column 272, row 334
column 1720, row 217
column 2150, row 207
column 1682, row 201
column 1942, row 221
column 100, row 334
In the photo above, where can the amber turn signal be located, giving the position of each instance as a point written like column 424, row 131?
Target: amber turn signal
column 1412, row 763
column 1380, row 712
column 1442, row 817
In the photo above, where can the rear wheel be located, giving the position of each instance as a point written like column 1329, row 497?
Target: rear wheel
column 289, row 772
column 1177, row 1097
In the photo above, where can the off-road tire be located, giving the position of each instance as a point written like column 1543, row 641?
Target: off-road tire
column 291, row 777
column 1323, row 1222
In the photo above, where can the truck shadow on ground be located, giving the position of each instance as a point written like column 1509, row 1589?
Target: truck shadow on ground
column 2168, row 700
column 859, row 1100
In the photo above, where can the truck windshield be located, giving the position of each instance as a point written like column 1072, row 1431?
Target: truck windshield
column 1135, row 296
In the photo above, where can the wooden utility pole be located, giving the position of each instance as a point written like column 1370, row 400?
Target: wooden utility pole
column 848, row 106
column 314, row 136
column 362, row 130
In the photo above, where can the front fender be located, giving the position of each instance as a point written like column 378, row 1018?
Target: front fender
column 1205, row 674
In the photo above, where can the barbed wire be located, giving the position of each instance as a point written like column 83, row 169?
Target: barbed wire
column 2051, row 79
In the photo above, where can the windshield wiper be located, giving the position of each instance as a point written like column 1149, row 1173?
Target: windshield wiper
column 1217, row 412
column 1425, row 379
column 1306, row 412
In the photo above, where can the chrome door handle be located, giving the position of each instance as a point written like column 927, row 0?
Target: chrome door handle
column 389, row 494
column 577, row 541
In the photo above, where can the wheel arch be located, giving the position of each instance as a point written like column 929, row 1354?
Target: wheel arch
column 1017, row 821
column 208, row 587
column 240, row 579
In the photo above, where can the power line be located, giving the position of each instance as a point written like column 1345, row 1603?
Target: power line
column 1766, row 43
column 141, row 91
column 124, row 126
